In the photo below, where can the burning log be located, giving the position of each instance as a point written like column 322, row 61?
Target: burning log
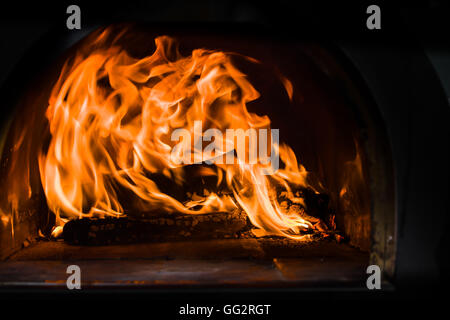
column 174, row 227
column 153, row 227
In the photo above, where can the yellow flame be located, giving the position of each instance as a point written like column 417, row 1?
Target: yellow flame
column 111, row 117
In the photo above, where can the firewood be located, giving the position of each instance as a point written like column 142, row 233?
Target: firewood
column 90, row 231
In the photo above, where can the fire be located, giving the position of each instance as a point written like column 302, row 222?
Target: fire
column 111, row 118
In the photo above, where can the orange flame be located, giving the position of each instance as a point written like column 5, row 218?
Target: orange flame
column 111, row 119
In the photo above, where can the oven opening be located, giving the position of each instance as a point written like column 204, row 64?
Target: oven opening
column 184, row 159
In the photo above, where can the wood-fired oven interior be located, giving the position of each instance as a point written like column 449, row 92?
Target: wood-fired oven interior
column 327, row 123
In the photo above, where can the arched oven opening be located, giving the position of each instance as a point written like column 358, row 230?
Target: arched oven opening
column 89, row 172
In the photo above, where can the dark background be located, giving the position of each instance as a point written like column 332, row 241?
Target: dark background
column 418, row 124
column 23, row 23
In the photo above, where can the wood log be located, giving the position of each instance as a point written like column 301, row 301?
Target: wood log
column 153, row 226
column 111, row 230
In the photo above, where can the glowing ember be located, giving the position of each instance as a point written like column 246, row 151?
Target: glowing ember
column 112, row 119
